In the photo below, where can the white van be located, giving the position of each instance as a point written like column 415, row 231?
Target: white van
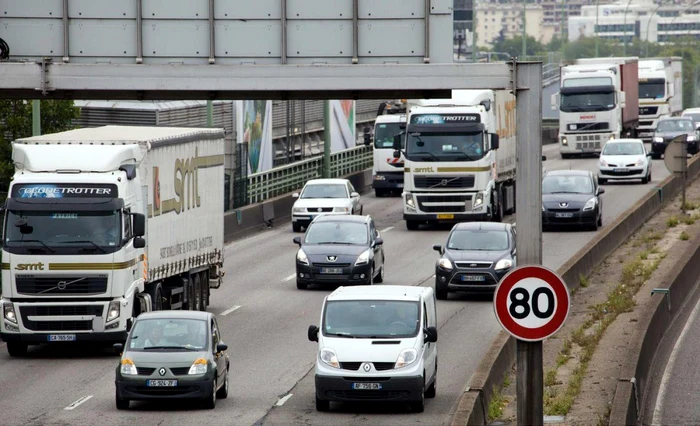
column 376, row 343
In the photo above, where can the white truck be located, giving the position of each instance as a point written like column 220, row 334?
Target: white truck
column 597, row 101
column 460, row 158
column 660, row 92
column 104, row 223
column 387, row 171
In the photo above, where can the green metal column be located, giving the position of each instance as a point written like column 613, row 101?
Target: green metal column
column 696, row 72
column 36, row 117
column 596, row 29
column 210, row 113
column 326, row 139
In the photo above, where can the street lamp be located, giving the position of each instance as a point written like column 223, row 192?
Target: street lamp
column 524, row 30
column 683, row 11
column 624, row 30
column 648, row 25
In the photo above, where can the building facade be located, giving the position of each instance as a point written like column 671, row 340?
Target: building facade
column 496, row 20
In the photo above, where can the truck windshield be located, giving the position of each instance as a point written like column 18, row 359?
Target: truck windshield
column 652, row 88
column 445, row 146
column 94, row 230
column 371, row 318
column 384, row 135
column 579, row 102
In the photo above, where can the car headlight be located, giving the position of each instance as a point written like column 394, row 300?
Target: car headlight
column 564, row 141
column 363, row 258
column 299, row 210
column 301, row 257
column 658, row 139
column 9, row 312
column 612, row 137
column 113, row 311
column 690, row 138
column 128, row 368
column 341, row 209
column 199, row 366
column 445, row 264
column 329, row 357
column 409, row 201
column 504, row 264
column 603, row 163
column 590, row 204
column 406, row 357
column 639, row 162
column 478, row 200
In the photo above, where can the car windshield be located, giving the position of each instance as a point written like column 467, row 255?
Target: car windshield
column 336, row 233
column 652, row 88
column 384, row 135
column 477, row 239
column 182, row 334
column 675, row 126
column 445, row 146
column 567, row 184
column 580, row 102
column 371, row 318
column 693, row 115
column 325, row 191
column 623, row 148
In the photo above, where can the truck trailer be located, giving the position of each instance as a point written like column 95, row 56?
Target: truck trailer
column 598, row 100
column 660, row 92
column 104, row 223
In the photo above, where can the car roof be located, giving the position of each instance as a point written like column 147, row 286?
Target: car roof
column 693, row 110
column 677, row 118
column 174, row 315
column 568, row 173
column 483, row 226
column 342, row 218
column 326, row 181
column 614, row 141
column 379, row 292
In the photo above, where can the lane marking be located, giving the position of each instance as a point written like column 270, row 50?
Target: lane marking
column 658, row 406
column 283, row 400
column 386, row 229
column 78, row 402
column 228, row 311
column 289, row 278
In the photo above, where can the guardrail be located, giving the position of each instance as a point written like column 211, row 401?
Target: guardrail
column 285, row 179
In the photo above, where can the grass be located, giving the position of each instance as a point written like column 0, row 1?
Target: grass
column 684, row 236
column 689, row 205
column 498, row 401
column 644, row 255
column 550, row 378
column 583, row 281
column 689, row 220
column 672, row 222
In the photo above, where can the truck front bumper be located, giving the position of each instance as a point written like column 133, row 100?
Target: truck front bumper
column 583, row 143
column 446, row 217
column 387, row 180
column 37, row 338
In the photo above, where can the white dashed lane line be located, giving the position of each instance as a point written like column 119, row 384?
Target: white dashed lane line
column 78, row 402
column 284, row 399
column 228, row 311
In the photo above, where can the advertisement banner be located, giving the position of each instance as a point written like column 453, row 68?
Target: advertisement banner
column 342, row 125
column 254, row 127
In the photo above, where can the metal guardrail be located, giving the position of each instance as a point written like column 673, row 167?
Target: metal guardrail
column 285, row 179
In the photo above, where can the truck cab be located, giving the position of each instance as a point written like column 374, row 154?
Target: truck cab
column 387, row 171
column 659, row 93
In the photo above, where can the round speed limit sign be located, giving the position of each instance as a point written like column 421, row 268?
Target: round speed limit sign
column 531, row 303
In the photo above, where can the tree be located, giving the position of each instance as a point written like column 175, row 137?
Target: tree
column 16, row 122
column 514, row 46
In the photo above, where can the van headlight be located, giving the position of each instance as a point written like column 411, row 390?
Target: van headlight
column 504, row 264
column 8, row 311
column 479, row 200
column 363, row 258
column 128, row 368
column 199, row 366
column 590, row 204
column 301, row 257
column 329, row 357
column 299, row 210
column 445, row 264
column 408, row 198
column 113, row 311
column 341, row 210
column 406, row 357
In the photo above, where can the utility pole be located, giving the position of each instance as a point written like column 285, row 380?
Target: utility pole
column 36, row 117
column 524, row 29
column 597, row 53
column 562, row 33
column 326, row 139
column 474, row 34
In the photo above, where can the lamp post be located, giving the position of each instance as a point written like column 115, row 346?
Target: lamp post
column 624, row 30
column 596, row 29
column 646, row 38
column 683, row 11
column 524, row 30
column 561, row 32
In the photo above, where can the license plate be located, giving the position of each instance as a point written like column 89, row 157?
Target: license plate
column 331, row 270
column 587, row 149
column 399, row 185
column 445, row 216
column 621, row 170
column 61, row 337
column 473, row 278
column 162, row 383
column 563, row 215
column 367, row 386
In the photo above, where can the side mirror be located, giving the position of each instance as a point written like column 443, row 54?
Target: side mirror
column 397, row 154
column 601, row 190
column 437, row 248
column 139, row 242
column 378, row 242
column 649, row 154
column 313, row 333
column 397, row 142
column 221, row 347
column 295, row 195
column 431, row 335
column 139, row 224
column 368, row 138
column 514, row 252
column 129, row 324
column 297, row 241
column 118, row 348
column 494, row 141
column 354, row 195
column 544, row 158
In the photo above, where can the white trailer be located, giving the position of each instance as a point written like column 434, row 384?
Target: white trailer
column 660, row 92
column 104, row 223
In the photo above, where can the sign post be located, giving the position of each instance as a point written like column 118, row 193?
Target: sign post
column 531, row 303
column 676, row 161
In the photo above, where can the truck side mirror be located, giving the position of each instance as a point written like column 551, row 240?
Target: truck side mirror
column 555, row 101
column 139, row 224
column 397, row 154
column 621, row 99
column 368, row 138
column 494, row 141
column 139, row 242
column 397, row 141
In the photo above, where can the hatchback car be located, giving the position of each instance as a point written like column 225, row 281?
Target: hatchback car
column 475, row 258
column 172, row 355
column 571, row 197
column 670, row 128
column 324, row 197
column 623, row 159
column 342, row 250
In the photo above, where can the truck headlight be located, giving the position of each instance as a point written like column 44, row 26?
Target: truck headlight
column 658, row 139
column 479, row 200
column 363, row 258
column 409, row 201
column 299, row 210
column 128, row 368
column 564, row 141
column 406, row 357
column 199, row 366
column 301, row 257
column 379, row 177
column 329, row 357
column 113, row 311
column 9, row 312
column 504, row 264
column 590, row 204
column 445, row 264
column 341, row 209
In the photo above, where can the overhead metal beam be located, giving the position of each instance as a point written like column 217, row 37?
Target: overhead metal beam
column 26, row 80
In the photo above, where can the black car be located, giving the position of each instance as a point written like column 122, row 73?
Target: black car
column 475, row 258
column 340, row 249
column 571, row 197
column 669, row 128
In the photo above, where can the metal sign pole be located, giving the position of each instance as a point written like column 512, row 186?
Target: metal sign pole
column 528, row 77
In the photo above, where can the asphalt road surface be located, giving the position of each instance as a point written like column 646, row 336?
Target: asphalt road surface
column 265, row 327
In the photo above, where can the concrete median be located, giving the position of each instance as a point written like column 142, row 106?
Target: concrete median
column 472, row 409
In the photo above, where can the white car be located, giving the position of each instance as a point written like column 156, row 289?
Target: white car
column 623, row 159
column 324, row 197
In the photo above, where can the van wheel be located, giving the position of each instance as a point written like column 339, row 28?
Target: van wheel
column 322, row 405
column 210, row 402
column 431, row 391
column 418, row 406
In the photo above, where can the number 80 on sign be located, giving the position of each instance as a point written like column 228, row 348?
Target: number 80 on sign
column 531, row 303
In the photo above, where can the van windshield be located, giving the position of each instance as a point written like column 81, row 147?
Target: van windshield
column 371, row 318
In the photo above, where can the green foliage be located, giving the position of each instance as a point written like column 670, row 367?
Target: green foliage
column 514, row 46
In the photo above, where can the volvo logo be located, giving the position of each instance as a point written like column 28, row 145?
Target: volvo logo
column 61, row 285
column 332, row 258
column 366, row 367
column 161, row 371
column 443, row 182
column 563, row 204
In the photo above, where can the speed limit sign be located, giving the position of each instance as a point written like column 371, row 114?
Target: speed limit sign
column 531, row 303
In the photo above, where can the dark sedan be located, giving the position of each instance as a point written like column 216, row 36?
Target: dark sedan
column 475, row 258
column 571, row 197
column 343, row 250
column 668, row 129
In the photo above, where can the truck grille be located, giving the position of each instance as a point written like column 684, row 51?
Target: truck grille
column 444, row 203
column 50, row 286
column 646, row 123
column 589, row 127
column 69, row 325
column 443, row 181
column 648, row 110
column 58, row 325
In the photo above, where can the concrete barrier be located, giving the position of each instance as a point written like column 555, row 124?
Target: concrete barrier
column 472, row 409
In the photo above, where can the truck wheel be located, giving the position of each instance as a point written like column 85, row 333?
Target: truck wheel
column 498, row 210
column 379, row 192
column 157, row 299
column 204, row 286
column 412, row 225
column 197, row 292
column 17, row 348
column 296, row 227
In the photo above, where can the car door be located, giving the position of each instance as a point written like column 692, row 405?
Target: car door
column 377, row 249
column 429, row 358
column 596, row 188
column 513, row 247
column 219, row 357
column 355, row 200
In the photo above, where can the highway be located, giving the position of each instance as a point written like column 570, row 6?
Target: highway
column 265, row 325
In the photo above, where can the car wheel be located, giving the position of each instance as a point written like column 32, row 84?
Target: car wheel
column 122, row 404
column 223, row 392
column 322, row 405
column 370, row 277
column 440, row 291
column 210, row 402
column 380, row 276
column 602, row 181
column 296, row 227
column 301, row 285
column 600, row 220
